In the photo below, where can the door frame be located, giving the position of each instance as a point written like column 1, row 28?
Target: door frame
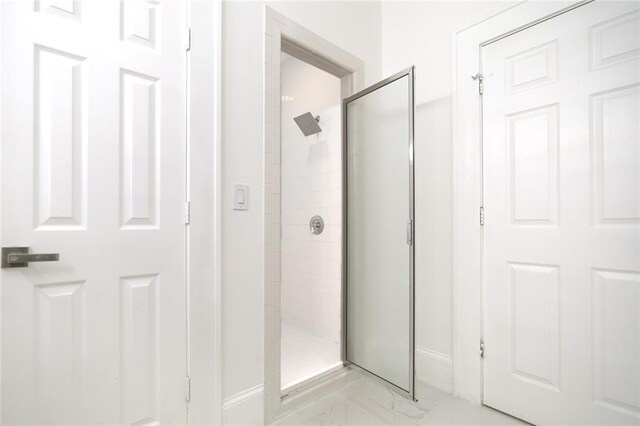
column 410, row 73
column 203, row 278
column 285, row 35
column 204, row 180
column 467, row 183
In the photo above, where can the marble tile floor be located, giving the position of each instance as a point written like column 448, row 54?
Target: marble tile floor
column 366, row 402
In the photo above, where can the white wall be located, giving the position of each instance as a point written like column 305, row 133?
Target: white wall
column 421, row 34
column 311, row 185
column 388, row 37
column 353, row 26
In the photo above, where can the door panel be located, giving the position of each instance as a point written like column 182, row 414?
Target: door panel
column 379, row 257
column 93, row 168
column 561, row 141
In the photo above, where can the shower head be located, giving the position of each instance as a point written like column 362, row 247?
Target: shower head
column 308, row 123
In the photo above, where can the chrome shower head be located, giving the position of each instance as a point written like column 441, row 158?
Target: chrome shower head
column 308, row 124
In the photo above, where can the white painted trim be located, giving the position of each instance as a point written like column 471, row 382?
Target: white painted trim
column 2, row 26
column 435, row 355
column 217, row 213
column 244, row 408
column 204, row 192
column 467, row 188
column 243, row 396
column 314, row 49
column 434, row 368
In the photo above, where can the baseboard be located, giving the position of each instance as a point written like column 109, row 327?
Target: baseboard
column 435, row 369
column 244, row 408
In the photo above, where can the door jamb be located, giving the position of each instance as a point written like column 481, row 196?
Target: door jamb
column 467, row 183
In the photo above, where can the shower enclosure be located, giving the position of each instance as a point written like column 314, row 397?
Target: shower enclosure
column 347, row 285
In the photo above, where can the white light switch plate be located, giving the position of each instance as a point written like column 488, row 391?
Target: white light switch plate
column 241, row 197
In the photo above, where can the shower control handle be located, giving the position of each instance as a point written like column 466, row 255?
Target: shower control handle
column 316, row 225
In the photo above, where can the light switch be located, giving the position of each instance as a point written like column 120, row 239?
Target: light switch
column 241, row 197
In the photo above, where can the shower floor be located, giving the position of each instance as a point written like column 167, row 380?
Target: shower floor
column 305, row 354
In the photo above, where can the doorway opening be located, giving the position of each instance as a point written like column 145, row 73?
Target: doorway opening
column 311, row 221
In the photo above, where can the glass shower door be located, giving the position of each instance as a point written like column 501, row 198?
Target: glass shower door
column 378, row 246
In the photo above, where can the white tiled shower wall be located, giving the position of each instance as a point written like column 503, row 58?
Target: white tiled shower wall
column 311, row 185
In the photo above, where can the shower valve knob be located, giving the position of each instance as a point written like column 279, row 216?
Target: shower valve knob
column 316, row 225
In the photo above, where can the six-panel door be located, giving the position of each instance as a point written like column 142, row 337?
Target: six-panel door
column 93, row 167
column 561, row 140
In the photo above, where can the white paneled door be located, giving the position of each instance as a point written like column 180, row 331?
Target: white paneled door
column 561, row 142
column 93, row 168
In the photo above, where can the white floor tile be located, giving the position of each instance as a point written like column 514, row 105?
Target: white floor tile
column 304, row 354
column 366, row 402
column 458, row 412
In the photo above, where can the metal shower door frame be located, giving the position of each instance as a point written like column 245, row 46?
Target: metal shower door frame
column 410, row 73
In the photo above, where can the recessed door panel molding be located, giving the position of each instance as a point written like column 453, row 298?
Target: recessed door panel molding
column 533, row 166
column 139, row 348
column 535, row 323
column 139, row 22
column 60, row 134
column 62, row 8
column 615, row 40
column 532, row 67
column 60, row 318
column 615, row 123
column 140, row 150
column 378, row 246
column 561, row 202
column 616, row 339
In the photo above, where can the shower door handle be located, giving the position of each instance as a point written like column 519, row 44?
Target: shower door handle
column 410, row 232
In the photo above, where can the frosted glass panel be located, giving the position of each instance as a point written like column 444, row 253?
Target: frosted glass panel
column 379, row 315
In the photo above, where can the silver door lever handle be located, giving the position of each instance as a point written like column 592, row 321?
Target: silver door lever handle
column 19, row 257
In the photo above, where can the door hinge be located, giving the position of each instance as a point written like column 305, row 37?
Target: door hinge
column 481, row 348
column 187, row 388
column 188, row 39
column 481, row 216
column 480, row 79
column 187, row 213
column 410, row 232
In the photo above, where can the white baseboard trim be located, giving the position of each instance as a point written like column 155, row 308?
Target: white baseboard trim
column 434, row 368
column 244, row 408
column 243, row 396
